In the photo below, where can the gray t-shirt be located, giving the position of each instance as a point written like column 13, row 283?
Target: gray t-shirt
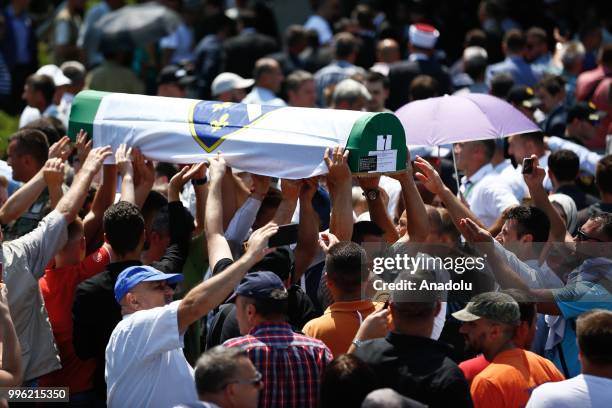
column 24, row 261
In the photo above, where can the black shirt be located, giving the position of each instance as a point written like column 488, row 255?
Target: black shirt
column 95, row 312
column 225, row 325
column 417, row 367
column 582, row 199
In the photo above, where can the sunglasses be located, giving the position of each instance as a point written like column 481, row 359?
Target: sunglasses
column 581, row 236
column 257, row 381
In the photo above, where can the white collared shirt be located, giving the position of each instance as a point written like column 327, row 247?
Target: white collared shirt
column 510, row 176
column 145, row 365
column 263, row 96
column 487, row 194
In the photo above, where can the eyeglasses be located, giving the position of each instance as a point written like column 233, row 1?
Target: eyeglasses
column 581, row 236
column 257, row 381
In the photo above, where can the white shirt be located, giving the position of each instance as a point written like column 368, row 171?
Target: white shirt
column 393, row 188
column 534, row 275
column 588, row 159
column 181, row 41
column 487, row 194
column 584, row 391
column 29, row 114
column 145, row 365
column 512, row 178
column 263, row 96
column 321, row 26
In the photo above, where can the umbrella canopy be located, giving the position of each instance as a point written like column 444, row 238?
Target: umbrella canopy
column 461, row 118
column 136, row 25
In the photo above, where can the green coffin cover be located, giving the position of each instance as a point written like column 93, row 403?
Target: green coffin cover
column 377, row 144
column 83, row 112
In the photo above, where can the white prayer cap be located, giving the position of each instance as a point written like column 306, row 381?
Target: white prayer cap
column 423, row 35
column 55, row 73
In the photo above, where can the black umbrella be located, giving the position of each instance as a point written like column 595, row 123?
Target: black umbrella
column 137, row 25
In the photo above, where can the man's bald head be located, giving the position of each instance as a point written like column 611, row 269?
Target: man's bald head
column 267, row 74
column 388, row 51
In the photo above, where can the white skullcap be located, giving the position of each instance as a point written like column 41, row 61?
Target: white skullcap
column 423, row 35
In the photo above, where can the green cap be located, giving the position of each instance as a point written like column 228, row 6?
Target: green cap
column 495, row 306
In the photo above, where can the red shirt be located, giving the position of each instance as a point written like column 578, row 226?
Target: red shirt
column 472, row 367
column 57, row 287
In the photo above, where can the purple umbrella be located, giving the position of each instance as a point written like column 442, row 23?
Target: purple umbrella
column 461, row 118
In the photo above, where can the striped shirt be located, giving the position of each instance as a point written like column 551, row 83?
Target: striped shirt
column 291, row 364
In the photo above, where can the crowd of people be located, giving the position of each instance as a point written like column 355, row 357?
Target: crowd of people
column 151, row 284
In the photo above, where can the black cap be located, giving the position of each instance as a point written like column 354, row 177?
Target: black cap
column 281, row 262
column 523, row 96
column 585, row 111
column 175, row 74
column 262, row 285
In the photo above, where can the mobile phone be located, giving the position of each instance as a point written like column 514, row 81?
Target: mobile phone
column 527, row 166
column 386, row 305
column 287, row 234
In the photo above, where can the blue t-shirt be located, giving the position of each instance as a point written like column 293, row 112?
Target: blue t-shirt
column 589, row 296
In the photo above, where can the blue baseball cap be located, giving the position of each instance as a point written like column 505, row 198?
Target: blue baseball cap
column 262, row 285
column 133, row 275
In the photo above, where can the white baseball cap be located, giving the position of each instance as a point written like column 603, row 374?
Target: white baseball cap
column 226, row 81
column 53, row 71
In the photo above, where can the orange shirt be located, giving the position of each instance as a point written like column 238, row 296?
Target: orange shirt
column 57, row 287
column 339, row 324
column 510, row 378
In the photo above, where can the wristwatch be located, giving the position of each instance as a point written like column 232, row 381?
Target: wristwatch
column 371, row 195
column 199, row 182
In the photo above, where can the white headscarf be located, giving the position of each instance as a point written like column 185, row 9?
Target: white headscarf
column 569, row 208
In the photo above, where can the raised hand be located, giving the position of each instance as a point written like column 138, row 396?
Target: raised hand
column 217, row 168
column 60, row 149
column 82, row 146
column 535, row 178
column 337, row 166
column 95, row 158
column 257, row 245
column 53, row 172
column 309, row 188
column 291, row 189
column 327, row 240
column 428, row 176
column 375, row 326
column 473, row 232
column 144, row 171
column 123, row 160
column 195, row 171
